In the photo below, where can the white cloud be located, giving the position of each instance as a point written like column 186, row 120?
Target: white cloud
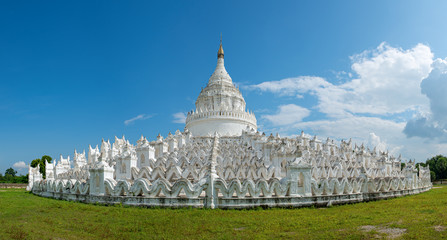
column 288, row 114
column 291, row 86
column 179, row 117
column 388, row 79
column 20, row 165
column 358, row 128
column 386, row 82
column 139, row 117
column 375, row 142
column 434, row 124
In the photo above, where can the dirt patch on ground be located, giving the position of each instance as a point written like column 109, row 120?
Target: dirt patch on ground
column 240, row 229
column 436, row 187
column 367, row 228
column 440, row 228
column 398, row 222
column 391, row 233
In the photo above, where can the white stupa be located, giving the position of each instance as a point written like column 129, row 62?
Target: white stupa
column 222, row 161
column 220, row 106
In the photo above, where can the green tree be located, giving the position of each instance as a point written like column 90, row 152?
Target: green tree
column 41, row 162
column 11, row 171
column 432, row 176
column 438, row 165
column 441, row 168
column 35, row 162
column 23, row 179
column 46, row 158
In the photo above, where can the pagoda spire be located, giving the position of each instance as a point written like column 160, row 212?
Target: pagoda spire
column 220, row 75
column 220, row 53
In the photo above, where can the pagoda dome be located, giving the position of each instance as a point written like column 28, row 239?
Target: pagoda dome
column 220, row 106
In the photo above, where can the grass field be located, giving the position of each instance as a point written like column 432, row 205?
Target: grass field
column 25, row 216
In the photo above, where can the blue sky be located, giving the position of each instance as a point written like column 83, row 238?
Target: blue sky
column 72, row 73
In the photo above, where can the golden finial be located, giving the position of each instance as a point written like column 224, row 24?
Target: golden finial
column 220, row 53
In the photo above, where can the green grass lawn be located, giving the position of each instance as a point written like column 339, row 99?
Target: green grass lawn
column 25, row 216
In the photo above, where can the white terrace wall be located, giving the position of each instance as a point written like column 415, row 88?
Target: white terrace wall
column 297, row 189
column 236, row 172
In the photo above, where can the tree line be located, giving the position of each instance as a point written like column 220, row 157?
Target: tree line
column 438, row 167
column 11, row 174
column 12, row 177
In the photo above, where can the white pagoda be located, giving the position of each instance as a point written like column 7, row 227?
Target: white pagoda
column 220, row 160
column 220, row 106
